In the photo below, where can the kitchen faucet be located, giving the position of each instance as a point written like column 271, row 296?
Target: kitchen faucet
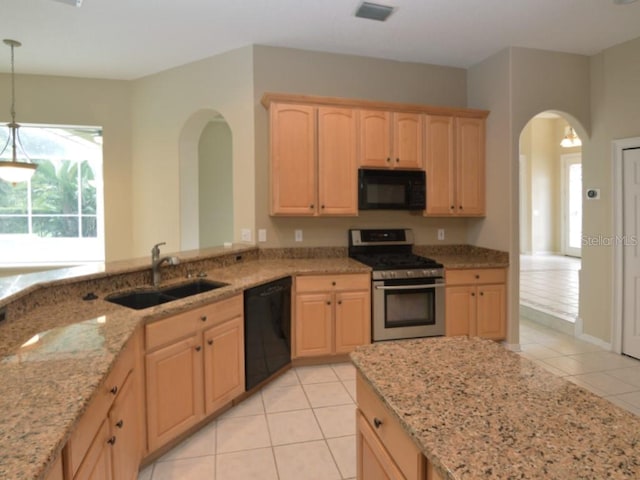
column 156, row 262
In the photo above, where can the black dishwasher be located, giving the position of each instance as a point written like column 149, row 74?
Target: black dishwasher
column 267, row 330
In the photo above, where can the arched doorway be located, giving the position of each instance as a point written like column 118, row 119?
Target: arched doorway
column 206, row 181
column 550, row 187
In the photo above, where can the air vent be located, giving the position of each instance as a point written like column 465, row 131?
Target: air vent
column 73, row 3
column 374, row 11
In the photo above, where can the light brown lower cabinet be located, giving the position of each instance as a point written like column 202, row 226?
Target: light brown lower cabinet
column 476, row 303
column 55, row 472
column 384, row 449
column 107, row 443
column 195, row 366
column 332, row 314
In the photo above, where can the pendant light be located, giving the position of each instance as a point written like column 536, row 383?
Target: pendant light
column 14, row 171
column 571, row 138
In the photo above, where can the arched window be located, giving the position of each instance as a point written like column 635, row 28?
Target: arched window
column 57, row 217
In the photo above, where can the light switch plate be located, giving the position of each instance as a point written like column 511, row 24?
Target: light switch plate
column 298, row 235
column 262, row 234
column 441, row 234
column 245, row 234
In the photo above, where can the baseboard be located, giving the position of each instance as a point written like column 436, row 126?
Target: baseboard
column 547, row 319
column 590, row 338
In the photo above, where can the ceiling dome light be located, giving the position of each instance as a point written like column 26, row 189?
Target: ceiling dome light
column 14, row 171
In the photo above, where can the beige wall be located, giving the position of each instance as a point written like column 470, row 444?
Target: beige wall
column 315, row 73
column 215, row 184
column 163, row 106
column 78, row 101
column 615, row 102
column 516, row 84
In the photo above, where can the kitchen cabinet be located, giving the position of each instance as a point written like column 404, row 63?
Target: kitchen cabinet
column 55, row 472
column 383, row 449
column 107, row 443
column 455, row 166
column 476, row 303
column 313, row 160
column 195, row 366
column 332, row 314
column 390, row 139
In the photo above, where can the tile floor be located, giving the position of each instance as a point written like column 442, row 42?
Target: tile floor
column 299, row 427
column 607, row 374
column 549, row 283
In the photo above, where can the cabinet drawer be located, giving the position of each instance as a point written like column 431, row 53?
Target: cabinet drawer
column 476, row 276
column 89, row 424
column 326, row 283
column 395, row 439
column 184, row 324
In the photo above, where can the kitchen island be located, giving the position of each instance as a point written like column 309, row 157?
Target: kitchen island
column 477, row 410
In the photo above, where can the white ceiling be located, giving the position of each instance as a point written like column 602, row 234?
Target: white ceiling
column 127, row 39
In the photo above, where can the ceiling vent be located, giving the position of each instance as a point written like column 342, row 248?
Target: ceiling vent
column 374, row 11
column 73, row 3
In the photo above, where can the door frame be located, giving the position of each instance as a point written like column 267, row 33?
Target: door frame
column 565, row 160
column 618, row 147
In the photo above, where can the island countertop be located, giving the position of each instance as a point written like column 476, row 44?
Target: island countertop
column 478, row 410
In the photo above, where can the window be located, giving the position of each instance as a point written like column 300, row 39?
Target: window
column 56, row 217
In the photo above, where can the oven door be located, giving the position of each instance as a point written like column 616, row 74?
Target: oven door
column 408, row 308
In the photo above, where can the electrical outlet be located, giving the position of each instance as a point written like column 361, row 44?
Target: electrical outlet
column 245, row 234
column 441, row 234
column 262, row 234
column 298, row 235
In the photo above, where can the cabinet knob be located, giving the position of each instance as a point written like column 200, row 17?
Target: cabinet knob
column 328, row 303
column 388, row 160
column 203, row 318
column 333, row 283
column 112, row 440
column 397, row 160
column 477, row 277
column 339, row 302
column 198, row 348
column 114, row 390
column 460, row 207
column 473, row 294
column 321, row 206
column 210, row 341
column 377, row 422
column 120, row 424
column 482, row 294
column 453, row 207
column 311, row 206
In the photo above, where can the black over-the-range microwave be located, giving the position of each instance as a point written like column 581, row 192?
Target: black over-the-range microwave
column 391, row 189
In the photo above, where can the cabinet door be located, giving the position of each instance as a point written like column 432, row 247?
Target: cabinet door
column 125, row 432
column 55, row 473
column 407, row 140
column 174, row 390
column 439, row 165
column 375, row 138
column 352, row 321
column 373, row 460
column 314, row 331
column 491, row 319
column 293, row 160
column 460, row 310
column 337, row 164
column 470, row 166
column 96, row 464
column 223, row 364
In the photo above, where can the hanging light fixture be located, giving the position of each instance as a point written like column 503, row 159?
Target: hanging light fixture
column 571, row 138
column 12, row 170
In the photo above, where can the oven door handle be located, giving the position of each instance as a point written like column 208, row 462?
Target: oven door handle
column 410, row 287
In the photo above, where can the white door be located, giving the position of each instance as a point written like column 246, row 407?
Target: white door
column 631, row 252
column 572, row 204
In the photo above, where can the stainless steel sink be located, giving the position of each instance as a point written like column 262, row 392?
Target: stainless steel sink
column 140, row 299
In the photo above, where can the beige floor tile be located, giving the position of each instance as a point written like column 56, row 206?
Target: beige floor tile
column 242, row 433
column 145, row 473
column 249, row 406
column 306, row 461
column 201, row 468
column 293, row 427
column 632, row 399
column 247, row 465
column 607, row 384
column 200, row 444
column 287, row 379
column 284, row 399
column 535, row 350
column 316, row 374
column 337, row 421
column 630, row 375
column 343, row 450
column 616, row 400
column 587, row 386
column 345, row 371
column 569, row 366
column 601, row 360
column 327, row 394
column 350, row 385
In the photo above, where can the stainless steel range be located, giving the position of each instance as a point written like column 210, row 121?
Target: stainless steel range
column 407, row 290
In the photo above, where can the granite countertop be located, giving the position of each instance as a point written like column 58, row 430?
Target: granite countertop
column 478, row 410
column 464, row 256
column 46, row 386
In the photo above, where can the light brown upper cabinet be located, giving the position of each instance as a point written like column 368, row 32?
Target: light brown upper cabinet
column 455, row 166
column 390, row 139
column 313, row 160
